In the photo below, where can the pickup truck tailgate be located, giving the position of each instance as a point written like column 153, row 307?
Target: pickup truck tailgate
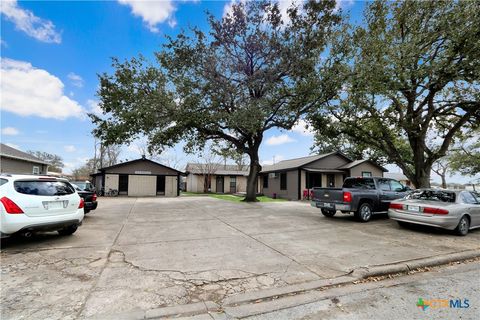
column 328, row 195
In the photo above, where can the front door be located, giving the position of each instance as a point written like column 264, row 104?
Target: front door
column 123, row 184
column 160, row 185
column 233, row 184
column 219, row 184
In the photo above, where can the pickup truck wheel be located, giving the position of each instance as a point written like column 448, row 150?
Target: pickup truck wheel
column 364, row 212
column 328, row 213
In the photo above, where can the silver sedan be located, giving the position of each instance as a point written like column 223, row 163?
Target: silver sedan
column 447, row 209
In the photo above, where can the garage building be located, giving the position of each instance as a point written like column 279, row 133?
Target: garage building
column 139, row 178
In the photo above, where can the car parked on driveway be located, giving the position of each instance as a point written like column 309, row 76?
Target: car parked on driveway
column 84, row 185
column 452, row 210
column 364, row 196
column 89, row 198
column 31, row 203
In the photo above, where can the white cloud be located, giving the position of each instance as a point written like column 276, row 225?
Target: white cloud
column 152, row 12
column 275, row 159
column 94, row 107
column 28, row 91
column 342, row 4
column 10, row 131
column 70, row 148
column 24, row 20
column 76, row 80
column 277, row 140
column 3, row 43
column 302, row 128
column 13, row 145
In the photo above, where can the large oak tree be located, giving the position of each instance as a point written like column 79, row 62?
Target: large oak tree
column 255, row 69
column 412, row 85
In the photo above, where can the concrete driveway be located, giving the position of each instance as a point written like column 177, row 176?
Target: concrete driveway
column 143, row 253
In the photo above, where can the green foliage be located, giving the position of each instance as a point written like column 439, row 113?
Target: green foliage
column 55, row 162
column 411, row 86
column 250, row 73
column 466, row 158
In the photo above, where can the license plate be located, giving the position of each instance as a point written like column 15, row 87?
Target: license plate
column 326, row 205
column 414, row 208
column 48, row 205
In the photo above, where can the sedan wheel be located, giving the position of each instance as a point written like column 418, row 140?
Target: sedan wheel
column 463, row 226
column 364, row 213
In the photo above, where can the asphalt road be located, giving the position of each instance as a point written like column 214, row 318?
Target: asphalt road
column 397, row 298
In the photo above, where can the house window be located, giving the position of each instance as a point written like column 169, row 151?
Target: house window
column 265, row 181
column 366, row 174
column 36, row 170
column 283, row 181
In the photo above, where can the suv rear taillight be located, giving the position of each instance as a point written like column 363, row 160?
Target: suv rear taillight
column 396, row 206
column 94, row 197
column 347, row 196
column 434, row 210
column 81, row 204
column 10, row 206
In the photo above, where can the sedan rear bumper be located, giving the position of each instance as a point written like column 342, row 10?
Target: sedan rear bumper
column 442, row 221
column 91, row 205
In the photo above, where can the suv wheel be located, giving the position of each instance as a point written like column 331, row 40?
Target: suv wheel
column 68, row 230
column 364, row 212
column 463, row 226
column 328, row 213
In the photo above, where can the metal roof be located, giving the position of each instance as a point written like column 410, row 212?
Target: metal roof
column 9, row 152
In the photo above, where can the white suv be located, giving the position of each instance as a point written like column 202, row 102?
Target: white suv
column 38, row 203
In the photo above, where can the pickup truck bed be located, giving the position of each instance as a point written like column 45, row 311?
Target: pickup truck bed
column 362, row 196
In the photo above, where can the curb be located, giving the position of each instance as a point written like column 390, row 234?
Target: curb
column 268, row 300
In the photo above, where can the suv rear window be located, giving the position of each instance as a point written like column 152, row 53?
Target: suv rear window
column 432, row 195
column 43, row 188
column 359, row 183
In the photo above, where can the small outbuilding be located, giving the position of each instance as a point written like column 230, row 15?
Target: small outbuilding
column 139, row 178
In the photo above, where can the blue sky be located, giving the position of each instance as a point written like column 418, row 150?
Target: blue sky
column 51, row 55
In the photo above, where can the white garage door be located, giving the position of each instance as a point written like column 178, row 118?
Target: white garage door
column 171, row 186
column 139, row 186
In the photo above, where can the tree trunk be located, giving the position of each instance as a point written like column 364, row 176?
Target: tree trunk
column 255, row 168
column 422, row 178
column 444, row 181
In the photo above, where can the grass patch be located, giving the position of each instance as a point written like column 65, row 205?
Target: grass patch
column 188, row 193
column 231, row 197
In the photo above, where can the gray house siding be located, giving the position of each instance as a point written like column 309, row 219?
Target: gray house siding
column 330, row 162
column 291, row 193
column 9, row 165
column 142, row 167
column 366, row 167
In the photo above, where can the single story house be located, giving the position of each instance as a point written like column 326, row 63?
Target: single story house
column 222, row 178
column 399, row 177
column 138, row 178
column 290, row 179
column 15, row 161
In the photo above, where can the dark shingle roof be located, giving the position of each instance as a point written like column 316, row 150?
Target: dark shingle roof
column 295, row 163
column 357, row 162
column 9, row 152
column 217, row 168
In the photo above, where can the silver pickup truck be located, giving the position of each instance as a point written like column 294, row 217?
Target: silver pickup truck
column 364, row 196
